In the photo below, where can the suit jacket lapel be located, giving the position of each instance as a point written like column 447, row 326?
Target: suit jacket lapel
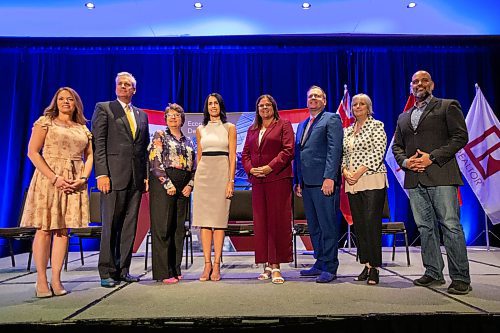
column 432, row 104
column 137, row 117
column 268, row 130
column 119, row 113
column 317, row 119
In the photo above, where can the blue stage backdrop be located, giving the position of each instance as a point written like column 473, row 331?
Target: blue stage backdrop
column 184, row 70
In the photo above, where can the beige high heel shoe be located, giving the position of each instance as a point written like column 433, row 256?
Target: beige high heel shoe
column 40, row 294
column 215, row 276
column 205, row 276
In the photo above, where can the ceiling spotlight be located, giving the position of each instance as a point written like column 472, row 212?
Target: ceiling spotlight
column 411, row 5
column 306, row 5
column 90, row 5
column 198, row 5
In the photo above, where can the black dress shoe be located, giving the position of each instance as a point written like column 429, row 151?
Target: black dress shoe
column 363, row 275
column 129, row 278
column 426, row 281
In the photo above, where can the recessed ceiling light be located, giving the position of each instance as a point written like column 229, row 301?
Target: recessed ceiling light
column 198, row 5
column 411, row 5
column 90, row 5
column 306, row 5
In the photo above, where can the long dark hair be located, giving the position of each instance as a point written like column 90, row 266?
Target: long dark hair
column 257, row 123
column 52, row 111
column 222, row 106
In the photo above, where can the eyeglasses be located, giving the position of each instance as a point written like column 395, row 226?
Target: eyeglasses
column 173, row 115
column 267, row 105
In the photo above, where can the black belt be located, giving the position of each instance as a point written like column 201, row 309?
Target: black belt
column 215, row 153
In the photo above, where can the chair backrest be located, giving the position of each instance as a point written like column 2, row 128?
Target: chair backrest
column 241, row 206
column 95, row 206
column 298, row 208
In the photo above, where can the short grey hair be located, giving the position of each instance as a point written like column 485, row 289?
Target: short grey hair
column 367, row 99
column 131, row 77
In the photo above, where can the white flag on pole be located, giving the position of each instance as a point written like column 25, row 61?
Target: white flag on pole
column 479, row 160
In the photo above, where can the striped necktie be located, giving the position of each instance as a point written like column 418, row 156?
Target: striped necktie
column 130, row 118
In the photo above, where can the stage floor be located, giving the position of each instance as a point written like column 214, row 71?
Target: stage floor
column 240, row 298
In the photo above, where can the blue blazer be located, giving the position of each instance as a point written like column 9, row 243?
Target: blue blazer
column 320, row 156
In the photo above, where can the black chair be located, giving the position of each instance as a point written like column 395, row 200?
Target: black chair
column 19, row 233
column 394, row 228
column 240, row 214
column 188, row 239
column 299, row 223
column 94, row 230
column 240, row 222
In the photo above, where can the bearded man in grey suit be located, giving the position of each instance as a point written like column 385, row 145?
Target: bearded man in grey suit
column 120, row 137
column 426, row 141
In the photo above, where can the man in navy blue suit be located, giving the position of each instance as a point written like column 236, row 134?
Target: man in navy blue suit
column 318, row 154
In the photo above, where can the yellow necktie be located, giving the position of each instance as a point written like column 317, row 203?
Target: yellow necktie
column 130, row 119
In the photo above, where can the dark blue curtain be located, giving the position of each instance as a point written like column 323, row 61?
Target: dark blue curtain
column 185, row 70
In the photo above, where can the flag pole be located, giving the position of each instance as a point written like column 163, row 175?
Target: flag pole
column 487, row 231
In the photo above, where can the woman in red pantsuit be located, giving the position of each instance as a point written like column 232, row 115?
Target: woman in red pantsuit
column 267, row 158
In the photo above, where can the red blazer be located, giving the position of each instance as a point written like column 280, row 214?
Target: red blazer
column 276, row 150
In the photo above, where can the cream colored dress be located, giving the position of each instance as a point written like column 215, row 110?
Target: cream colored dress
column 210, row 206
column 47, row 207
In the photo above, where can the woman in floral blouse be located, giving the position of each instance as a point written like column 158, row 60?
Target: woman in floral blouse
column 366, row 183
column 172, row 166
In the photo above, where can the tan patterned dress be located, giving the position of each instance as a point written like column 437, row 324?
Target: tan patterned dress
column 47, row 207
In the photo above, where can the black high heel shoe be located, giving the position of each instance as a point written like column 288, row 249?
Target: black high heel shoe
column 373, row 277
column 363, row 275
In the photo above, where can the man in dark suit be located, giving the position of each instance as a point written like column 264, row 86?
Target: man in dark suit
column 426, row 141
column 318, row 154
column 120, row 136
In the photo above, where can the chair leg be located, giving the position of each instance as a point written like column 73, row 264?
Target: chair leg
column 30, row 256
column 191, row 247
column 80, row 242
column 407, row 250
column 186, row 240
column 295, row 249
column 393, row 246
column 146, row 254
column 11, row 251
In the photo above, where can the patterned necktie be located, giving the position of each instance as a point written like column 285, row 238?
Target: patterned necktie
column 306, row 131
column 130, row 118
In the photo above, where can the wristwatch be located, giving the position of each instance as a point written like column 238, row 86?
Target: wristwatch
column 85, row 178
column 432, row 158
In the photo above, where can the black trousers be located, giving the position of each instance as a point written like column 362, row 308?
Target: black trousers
column 168, row 214
column 366, row 209
column 119, row 211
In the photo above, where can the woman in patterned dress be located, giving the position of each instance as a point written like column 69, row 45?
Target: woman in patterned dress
column 172, row 166
column 366, row 183
column 57, row 197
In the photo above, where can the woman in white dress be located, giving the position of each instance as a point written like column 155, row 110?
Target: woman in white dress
column 214, row 181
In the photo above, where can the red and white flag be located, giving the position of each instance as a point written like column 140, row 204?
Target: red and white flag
column 344, row 111
column 389, row 156
column 479, row 160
